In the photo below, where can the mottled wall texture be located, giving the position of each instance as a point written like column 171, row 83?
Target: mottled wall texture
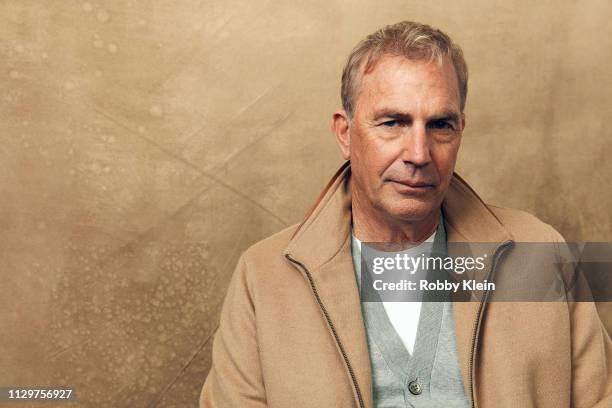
column 145, row 144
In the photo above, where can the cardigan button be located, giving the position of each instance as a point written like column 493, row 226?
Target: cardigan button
column 415, row 387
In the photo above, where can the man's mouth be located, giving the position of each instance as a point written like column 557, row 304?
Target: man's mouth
column 412, row 187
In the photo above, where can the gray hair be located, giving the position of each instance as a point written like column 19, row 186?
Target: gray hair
column 409, row 39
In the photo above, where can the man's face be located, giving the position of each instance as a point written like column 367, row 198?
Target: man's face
column 404, row 137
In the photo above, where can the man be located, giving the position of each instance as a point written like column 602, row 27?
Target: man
column 293, row 332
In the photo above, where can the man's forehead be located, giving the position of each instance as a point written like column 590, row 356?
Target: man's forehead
column 395, row 80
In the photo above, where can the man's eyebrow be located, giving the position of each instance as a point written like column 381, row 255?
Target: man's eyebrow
column 448, row 114
column 391, row 113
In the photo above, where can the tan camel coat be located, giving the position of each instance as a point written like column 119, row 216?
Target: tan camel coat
column 291, row 332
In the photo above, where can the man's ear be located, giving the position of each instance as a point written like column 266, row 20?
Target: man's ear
column 341, row 129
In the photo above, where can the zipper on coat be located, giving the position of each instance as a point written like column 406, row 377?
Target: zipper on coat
column 498, row 252
column 332, row 327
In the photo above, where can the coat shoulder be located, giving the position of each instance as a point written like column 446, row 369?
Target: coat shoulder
column 524, row 226
column 266, row 256
column 272, row 245
column 266, row 272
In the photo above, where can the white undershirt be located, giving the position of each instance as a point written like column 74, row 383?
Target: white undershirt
column 404, row 316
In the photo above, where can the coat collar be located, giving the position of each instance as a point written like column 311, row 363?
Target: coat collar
column 321, row 244
column 327, row 225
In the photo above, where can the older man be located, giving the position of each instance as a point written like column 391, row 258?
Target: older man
column 293, row 332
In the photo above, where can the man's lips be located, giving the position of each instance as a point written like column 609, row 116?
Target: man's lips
column 411, row 188
column 413, row 184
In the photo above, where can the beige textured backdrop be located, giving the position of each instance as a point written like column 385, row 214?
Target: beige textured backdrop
column 145, row 144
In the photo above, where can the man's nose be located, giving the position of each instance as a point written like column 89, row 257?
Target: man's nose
column 415, row 147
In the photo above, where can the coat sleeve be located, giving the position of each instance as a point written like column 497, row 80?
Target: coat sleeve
column 235, row 378
column 591, row 345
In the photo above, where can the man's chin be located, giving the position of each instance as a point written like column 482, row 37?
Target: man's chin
column 413, row 211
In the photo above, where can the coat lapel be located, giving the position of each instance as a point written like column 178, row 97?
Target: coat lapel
column 339, row 292
column 322, row 245
column 469, row 221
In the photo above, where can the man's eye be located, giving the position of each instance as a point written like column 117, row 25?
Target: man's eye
column 390, row 123
column 440, row 124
